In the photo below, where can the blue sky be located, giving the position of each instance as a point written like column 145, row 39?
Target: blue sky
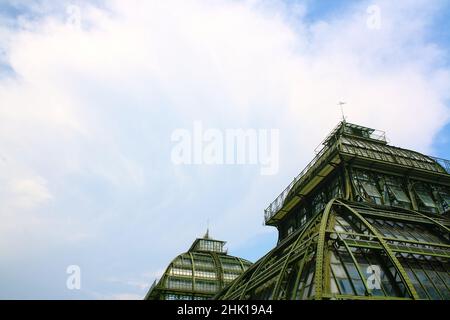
column 89, row 100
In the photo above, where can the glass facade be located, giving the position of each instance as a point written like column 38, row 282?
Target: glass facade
column 199, row 273
column 366, row 220
column 382, row 152
column 392, row 191
column 367, row 254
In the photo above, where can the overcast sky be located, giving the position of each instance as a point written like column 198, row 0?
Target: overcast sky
column 91, row 92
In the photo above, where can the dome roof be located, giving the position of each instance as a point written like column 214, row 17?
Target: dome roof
column 199, row 273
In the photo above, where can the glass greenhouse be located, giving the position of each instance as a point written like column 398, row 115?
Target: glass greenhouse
column 364, row 220
column 199, row 273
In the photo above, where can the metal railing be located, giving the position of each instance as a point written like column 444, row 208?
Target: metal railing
column 277, row 204
column 443, row 163
column 378, row 135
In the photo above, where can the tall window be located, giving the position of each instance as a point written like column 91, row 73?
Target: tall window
column 397, row 193
column 367, row 187
column 425, row 200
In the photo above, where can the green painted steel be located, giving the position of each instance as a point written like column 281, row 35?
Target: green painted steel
column 356, row 264
column 321, row 250
column 356, row 204
column 387, row 249
column 198, row 273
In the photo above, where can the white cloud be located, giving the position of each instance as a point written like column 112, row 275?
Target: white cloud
column 140, row 284
column 30, row 192
column 85, row 123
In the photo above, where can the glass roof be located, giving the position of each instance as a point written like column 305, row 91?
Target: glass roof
column 199, row 273
column 394, row 155
column 362, row 143
column 407, row 251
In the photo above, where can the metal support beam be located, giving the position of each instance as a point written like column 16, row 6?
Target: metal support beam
column 387, row 249
column 286, row 262
column 320, row 251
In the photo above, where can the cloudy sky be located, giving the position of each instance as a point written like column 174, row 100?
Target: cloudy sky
column 92, row 91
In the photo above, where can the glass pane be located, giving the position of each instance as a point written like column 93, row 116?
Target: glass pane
column 399, row 194
column 445, row 198
column 426, row 199
column 352, row 271
column 359, row 287
column 333, row 286
column 338, row 271
column 371, row 189
column 345, row 286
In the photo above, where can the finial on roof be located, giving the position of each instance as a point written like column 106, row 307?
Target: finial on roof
column 341, row 104
column 206, row 236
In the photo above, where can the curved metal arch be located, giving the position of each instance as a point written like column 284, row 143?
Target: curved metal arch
column 193, row 270
column 241, row 264
column 263, row 261
column 347, row 182
column 218, row 268
column 320, row 250
column 160, row 285
column 387, row 249
column 293, row 247
column 236, row 281
column 355, row 262
column 227, row 289
column 169, row 267
column 301, row 265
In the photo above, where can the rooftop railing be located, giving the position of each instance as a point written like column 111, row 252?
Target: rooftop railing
column 379, row 135
column 361, row 132
column 443, row 163
column 277, row 204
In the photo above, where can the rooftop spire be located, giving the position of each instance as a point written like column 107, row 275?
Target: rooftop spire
column 341, row 104
column 206, row 236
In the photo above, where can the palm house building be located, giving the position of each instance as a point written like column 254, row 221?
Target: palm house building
column 199, row 273
column 364, row 220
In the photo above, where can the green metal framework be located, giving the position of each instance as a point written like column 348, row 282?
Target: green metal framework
column 199, row 273
column 364, row 220
column 329, row 257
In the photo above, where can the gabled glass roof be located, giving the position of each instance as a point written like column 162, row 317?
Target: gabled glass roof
column 362, row 143
column 394, row 155
column 364, row 220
